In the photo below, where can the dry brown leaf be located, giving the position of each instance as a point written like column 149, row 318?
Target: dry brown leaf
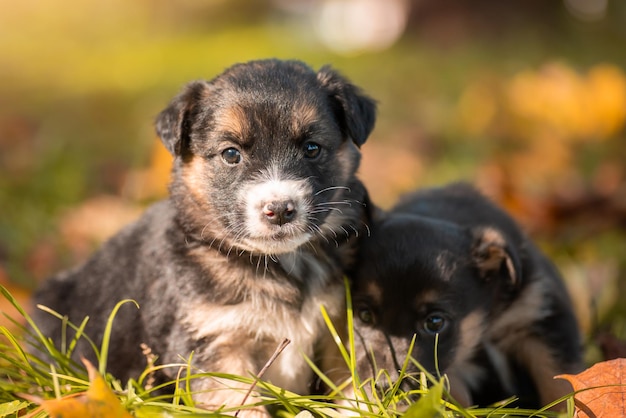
column 605, row 397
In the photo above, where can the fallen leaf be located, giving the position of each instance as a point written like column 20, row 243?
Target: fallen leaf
column 12, row 408
column 605, row 394
column 98, row 401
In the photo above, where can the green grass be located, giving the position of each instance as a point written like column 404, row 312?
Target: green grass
column 27, row 379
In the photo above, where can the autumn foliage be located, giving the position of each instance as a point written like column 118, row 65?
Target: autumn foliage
column 97, row 402
column 600, row 390
column 534, row 113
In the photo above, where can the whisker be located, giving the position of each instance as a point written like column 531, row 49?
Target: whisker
column 328, row 209
column 212, row 222
column 342, row 202
column 317, row 230
column 313, row 246
column 332, row 188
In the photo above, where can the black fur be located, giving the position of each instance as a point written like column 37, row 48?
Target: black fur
column 447, row 261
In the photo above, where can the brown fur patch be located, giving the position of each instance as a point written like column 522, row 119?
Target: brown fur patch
column 348, row 158
column 375, row 292
column 426, row 298
column 195, row 177
column 304, row 114
column 539, row 360
column 493, row 236
column 514, row 324
column 511, row 333
column 490, row 252
column 234, row 121
column 471, row 334
column 447, row 265
column 234, row 284
column 462, row 373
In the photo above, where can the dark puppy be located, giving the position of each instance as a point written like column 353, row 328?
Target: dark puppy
column 264, row 207
column 447, row 262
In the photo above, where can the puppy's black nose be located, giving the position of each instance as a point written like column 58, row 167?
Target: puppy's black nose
column 280, row 212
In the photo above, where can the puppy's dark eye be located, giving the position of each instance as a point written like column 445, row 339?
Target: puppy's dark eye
column 365, row 315
column 312, row 150
column 434, row 324
column 231, row 156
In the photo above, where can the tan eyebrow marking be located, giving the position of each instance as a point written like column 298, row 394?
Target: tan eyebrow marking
column 233, row 120
column 375, row 292
column 304, row 114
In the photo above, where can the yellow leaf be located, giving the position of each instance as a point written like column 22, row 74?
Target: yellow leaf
column 66, row 407
column 97, row 402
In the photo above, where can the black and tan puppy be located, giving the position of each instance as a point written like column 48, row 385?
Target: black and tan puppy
column 263, row 210
column 485, row 306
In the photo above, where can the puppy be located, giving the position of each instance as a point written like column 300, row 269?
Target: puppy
column 261, row 221
column 447, row 267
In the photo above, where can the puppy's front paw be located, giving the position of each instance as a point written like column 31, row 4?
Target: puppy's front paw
column 257, row 412
column 214, row 394
column 246, row 411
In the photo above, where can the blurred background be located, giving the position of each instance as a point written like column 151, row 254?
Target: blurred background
column 526, row 98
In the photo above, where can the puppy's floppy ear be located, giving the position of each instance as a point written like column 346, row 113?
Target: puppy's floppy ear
column 492, row 256
column 173, row 124
column 356, row 112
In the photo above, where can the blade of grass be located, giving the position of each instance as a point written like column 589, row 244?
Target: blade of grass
column 350, row 324
column 402, row 373
column 106, row 337
column 259, row 376
column 79, row 333
column 7, row 295
column 18, row 350
column 186, row 396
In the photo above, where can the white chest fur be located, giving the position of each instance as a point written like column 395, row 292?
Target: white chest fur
column 257, row 325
